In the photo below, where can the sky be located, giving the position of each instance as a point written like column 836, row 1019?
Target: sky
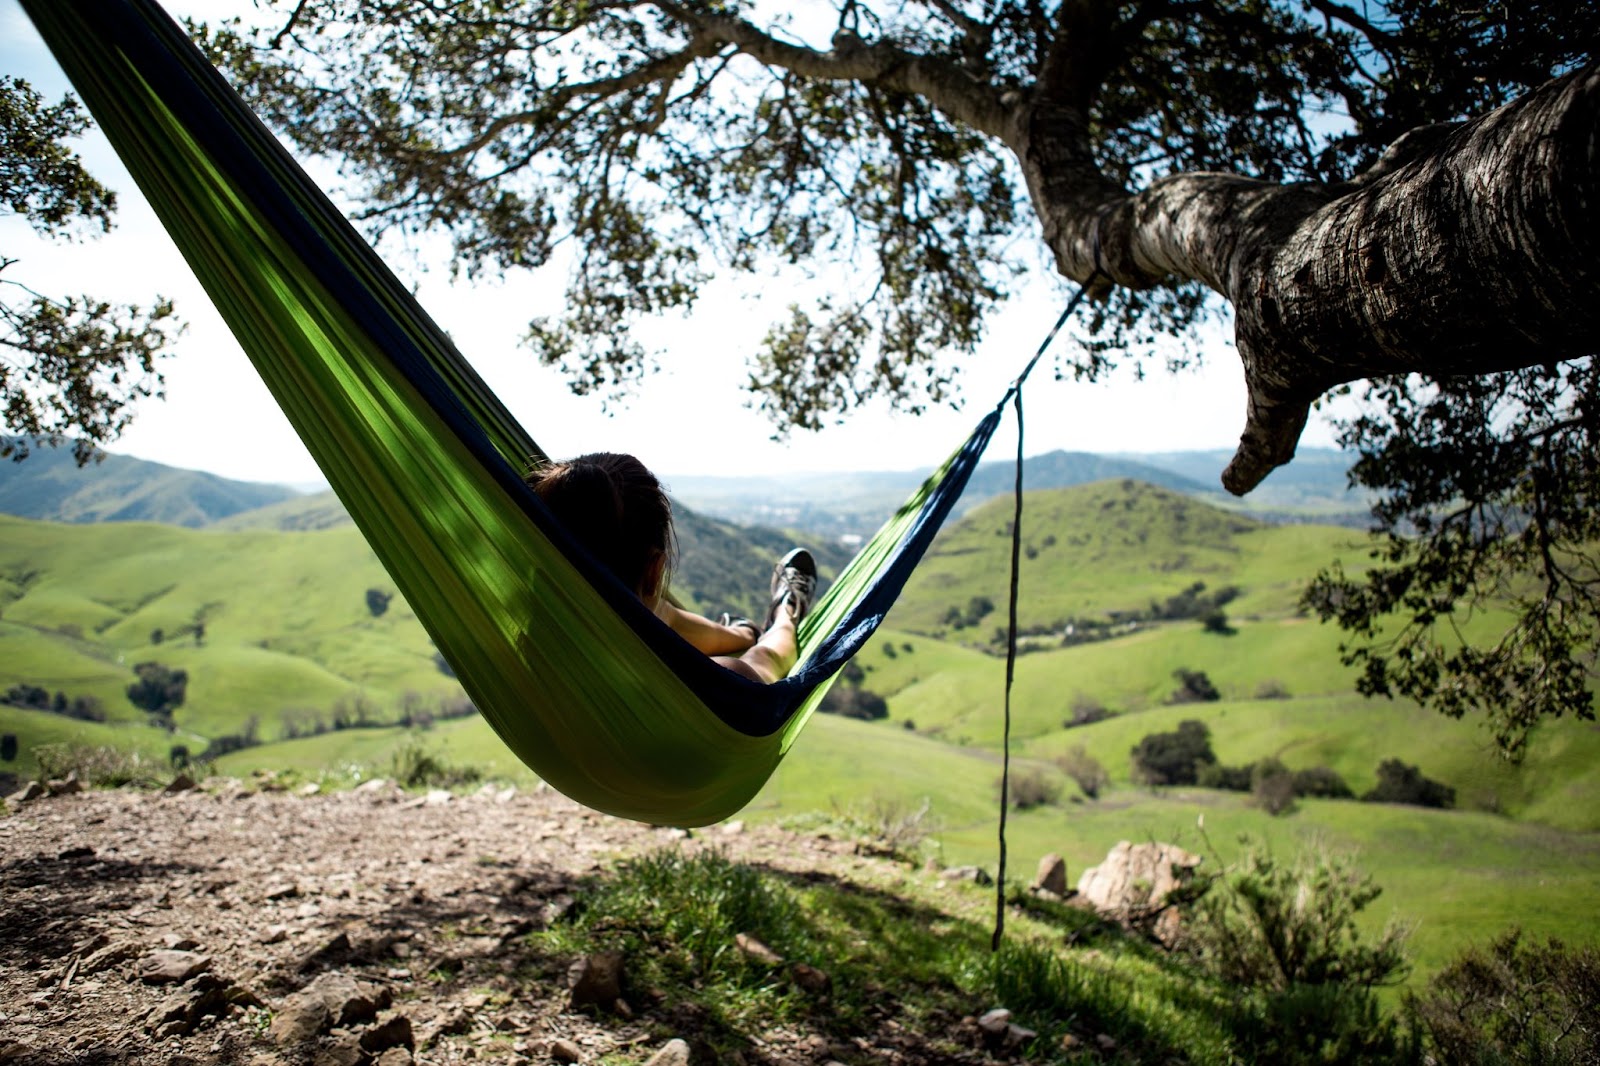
column 690, row 418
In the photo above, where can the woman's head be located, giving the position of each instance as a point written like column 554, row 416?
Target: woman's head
column 617, row 509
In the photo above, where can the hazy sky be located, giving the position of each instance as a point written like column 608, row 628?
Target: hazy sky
column 691, row 418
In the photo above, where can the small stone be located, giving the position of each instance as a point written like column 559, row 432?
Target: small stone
column 181, row 783
column 732, row 829
column 281, row 890
column 565, row 1051
column 395, row 1056
column 171, row 967
column 175, row 942
column 1070, row 1042
column 995, row 1022
column 437, row 797
column 1107, row 1043
column 310, row 788
column 810, row 979
column 596, row 980
column 394, row 1031
column 756, row 950
column 672, row 1053
column 66, row 786
column 80, row 852
column 273, row 934
column 975, row 874
column 1052, row 876
column 341, row 1048
column 31, row 791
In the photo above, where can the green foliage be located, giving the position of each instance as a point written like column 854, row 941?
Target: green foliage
column 853, row 702
column 1193, row 687
column 415, row 766
column 96, row 766
column 1400, row 783
column 68, row 368
column 1173, row 758
column 1285, row 940
column 1031, row 787
column 378, row 602
column 1515, row 1001
column 159, row 690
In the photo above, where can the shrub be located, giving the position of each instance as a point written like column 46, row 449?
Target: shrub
column 1399, row 783
column 178, row 756
column 854, row 702
column 248, row 737
column 1032, row 788
column 8, row 747
column 1514, row 1002
column 1272, row 689
column 95, row 766
column 1173, row 758
column 378, row 602
column 1272, row 787
column 1216, row 621
column 1085, row 770
column 1320, row 781
column 1085, row 711
column 30, row 696
column 414, row 766
column 1225, row 778
column 1284, row 939
column 1193, row 687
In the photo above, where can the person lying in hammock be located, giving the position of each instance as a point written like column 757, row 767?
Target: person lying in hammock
column 618, row 510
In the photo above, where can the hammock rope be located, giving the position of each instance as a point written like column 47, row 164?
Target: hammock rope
column 574, row 674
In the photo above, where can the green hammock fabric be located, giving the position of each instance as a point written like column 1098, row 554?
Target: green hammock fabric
column 564, row 664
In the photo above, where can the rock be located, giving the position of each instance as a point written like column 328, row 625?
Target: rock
column 976, row 874
column 281, row 890
column 171, row 967
column 596, row 980
column 334, row 950
column 755, row 949
column 1052, row 876
column 72, row 854
column 107, row 957
column 731, row 829
column 565, row 1051
column 1106, row 1043
column 672, row 1053
column 179, row 1014
column 273, row 934
column 181, row 783
column 332, row 1000
column 394, row 1031
column 341, row 1048
column 178, row 942
column 810, row 979
column 65, row 786
column 310, row 788
column 1133, row 883
column 31, row 791
column 994, row 1022
column 437, row 797
column 395, row 1056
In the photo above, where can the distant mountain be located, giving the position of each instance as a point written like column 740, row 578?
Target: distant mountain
column 50, row 486
column 1315, row 486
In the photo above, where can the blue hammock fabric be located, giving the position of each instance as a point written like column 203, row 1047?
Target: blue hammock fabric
column 274, row 253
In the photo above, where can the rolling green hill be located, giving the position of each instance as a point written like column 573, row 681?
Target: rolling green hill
column 50, row 485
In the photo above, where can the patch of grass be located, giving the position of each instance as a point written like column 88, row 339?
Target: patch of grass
column 99, row 766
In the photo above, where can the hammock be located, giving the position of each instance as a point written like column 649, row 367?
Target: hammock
column 576, row 676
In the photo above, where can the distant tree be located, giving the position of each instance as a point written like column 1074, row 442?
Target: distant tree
column 1225, row 778
column 32, row 697
column 1272, row 787
column 853, row 702
column 157, row 635
column 1400, row 783
column 159, row 690
column 1173, row 758
column 1216, row 621
column 8, row 747
column 178, row 756
column 1085, row 771
column 1193, row 687
column 70, row 368
column 378, row 601
column 1031, row 788
column 1321, row 782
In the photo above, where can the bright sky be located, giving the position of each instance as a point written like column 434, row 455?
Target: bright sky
column 690, row 418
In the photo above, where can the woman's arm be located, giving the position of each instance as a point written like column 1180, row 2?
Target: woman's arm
column 708, row 637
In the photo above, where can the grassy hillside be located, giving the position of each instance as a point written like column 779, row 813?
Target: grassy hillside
column 49, row 484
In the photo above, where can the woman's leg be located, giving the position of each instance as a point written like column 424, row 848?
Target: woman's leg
column 794, row 585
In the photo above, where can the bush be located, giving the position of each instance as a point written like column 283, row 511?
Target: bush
column 1086, row 710
column 1322, row 782
column 1399, row 783
column 1272, row 689
column 1272, row 787
column 31, row 697
column 1085, row 770
column 1225, row 778
column 378, row 602
column 1173, row 758
column 854, row 702
column 1193, row 687
column 1515, row 1003
column 414, row 766
column 1032, row 788
column 8, row 747
column 96, row 766
column 1216, row 621
column 178, row 756
column 1284, row 940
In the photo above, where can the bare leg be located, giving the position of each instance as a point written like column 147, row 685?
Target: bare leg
column 773, row 655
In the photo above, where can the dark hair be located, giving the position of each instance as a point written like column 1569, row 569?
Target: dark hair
column 614, row 507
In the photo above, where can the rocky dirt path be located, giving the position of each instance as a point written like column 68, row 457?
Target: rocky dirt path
column 236, row 925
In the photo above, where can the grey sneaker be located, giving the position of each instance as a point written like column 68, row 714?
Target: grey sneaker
column 733, row 621
column 794, row 580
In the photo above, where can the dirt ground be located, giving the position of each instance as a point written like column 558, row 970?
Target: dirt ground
column 235, row 924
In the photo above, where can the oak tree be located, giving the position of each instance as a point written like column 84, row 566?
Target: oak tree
column 70, row 366
column 1401, row 193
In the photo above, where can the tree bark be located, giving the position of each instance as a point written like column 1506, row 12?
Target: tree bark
column 1475, row 255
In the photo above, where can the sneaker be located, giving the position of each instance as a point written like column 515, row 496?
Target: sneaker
column 735, row 622
column 794, row 581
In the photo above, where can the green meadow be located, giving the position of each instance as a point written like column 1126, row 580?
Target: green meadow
column 275, row 626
